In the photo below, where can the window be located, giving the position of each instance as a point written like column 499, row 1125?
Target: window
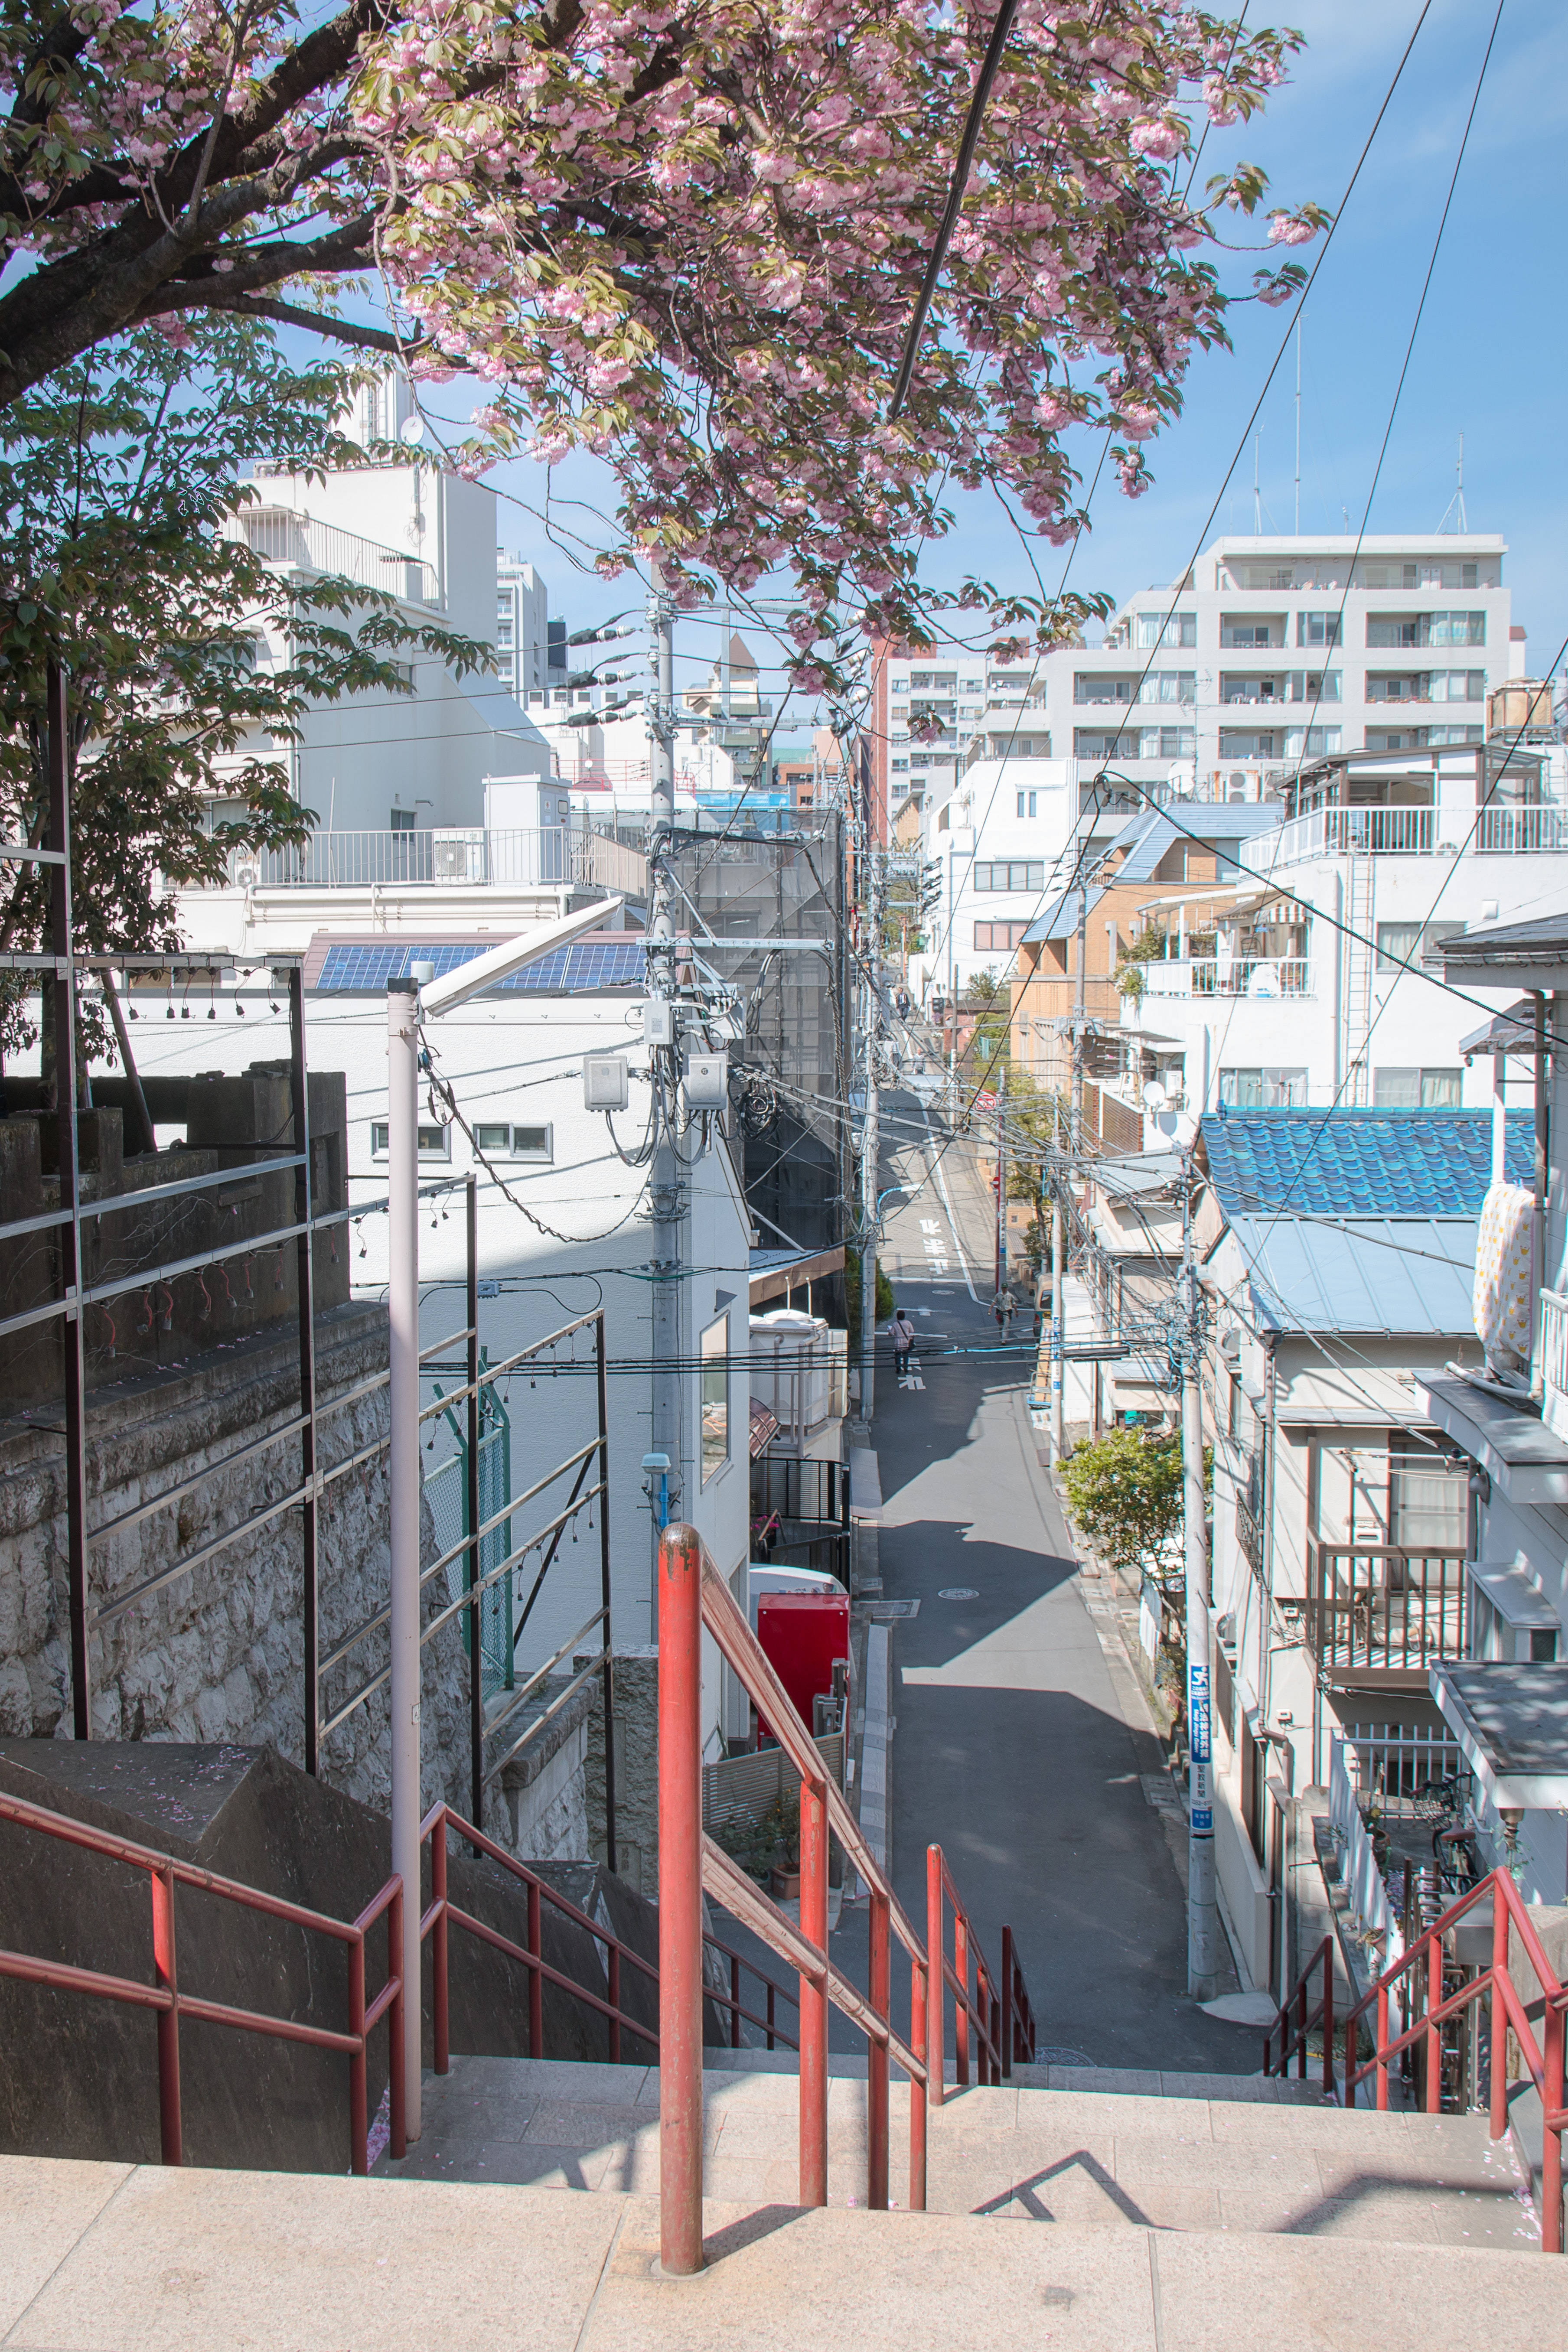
column 1311, row 742
column 1170, row 686
column 715, row 1399
column 1458, row 686
column 1248, row 631
column 1312, row 685
column 1390, row 575
column 500, row 1140
column 434, row 1142
column 1425, row 628
column 1088, row 687
column 1417, row 1089
column 988, row 936
column 1399, row 944
column 1427, row 1499
column 1266, row 1089
column 1317, row 628
column 1154, row 630
column 402, row 820
column 1234, row 746
column 1010, row 874
column 1028, row 803
column 1089, row 744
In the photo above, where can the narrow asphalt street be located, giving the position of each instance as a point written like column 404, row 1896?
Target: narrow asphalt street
column 1022, row 1744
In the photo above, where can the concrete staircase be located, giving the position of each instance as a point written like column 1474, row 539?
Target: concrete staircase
column 1218, row 2153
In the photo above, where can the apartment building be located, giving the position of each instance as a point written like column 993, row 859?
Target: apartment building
column 1316, row 976
column 532, row 652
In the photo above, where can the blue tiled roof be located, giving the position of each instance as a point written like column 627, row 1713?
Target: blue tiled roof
column 1358, row 1163
column 583, row 965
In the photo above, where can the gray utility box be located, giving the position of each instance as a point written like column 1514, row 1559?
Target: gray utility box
column 606, row 1082
column 707, row 1082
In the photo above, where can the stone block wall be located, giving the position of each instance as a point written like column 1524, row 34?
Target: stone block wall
column 636, row 1768
column 218, row 1654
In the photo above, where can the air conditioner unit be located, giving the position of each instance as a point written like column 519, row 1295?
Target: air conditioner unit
column 606, row 1082
column 247, row 876
column 1230, row 1344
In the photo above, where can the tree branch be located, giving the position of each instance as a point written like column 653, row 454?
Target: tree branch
column 217, row 297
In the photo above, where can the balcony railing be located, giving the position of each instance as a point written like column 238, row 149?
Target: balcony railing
column 1259, row 976
column 280, row 535
column 1507, row 832
column 1375, row 1606
column 457, row 858
column 1553, row 1328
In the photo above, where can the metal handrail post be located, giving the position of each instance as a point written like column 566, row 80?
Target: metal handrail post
column 171, row 2133
column 1552, row 2138
column 1434, row 2032
column 961, row 1995
column 679, row 1575
column 936, row 2024
column 439, row 1953
column 1008, row 1999
column 918, row 2043
column 880, row 1986
column 359, row 2094
column 813, row 2002
column 602, row 1372
column 473, row 1511
column 1498, row 2102
column 73, row 1337
column 397, row 2027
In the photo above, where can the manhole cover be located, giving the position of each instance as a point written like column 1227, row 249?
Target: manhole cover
column 1062, row 2058
column 889, row 1612
column 959, row 1592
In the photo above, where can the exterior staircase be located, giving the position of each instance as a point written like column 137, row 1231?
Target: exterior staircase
column 1219, row 2154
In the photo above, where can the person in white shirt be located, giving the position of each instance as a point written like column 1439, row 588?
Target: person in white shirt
column 902, row 1332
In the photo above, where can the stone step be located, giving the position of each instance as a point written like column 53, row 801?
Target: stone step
column 120, row 2258
column 1108, row 2161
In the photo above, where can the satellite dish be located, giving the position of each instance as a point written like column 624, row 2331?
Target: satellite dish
column 1154, row 1096
column 412, row 432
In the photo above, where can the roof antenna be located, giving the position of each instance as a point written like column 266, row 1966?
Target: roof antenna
column 1455, row 506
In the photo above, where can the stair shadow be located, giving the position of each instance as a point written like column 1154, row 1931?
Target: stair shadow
column 1024, row 2192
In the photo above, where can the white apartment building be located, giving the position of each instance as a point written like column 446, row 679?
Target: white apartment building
column 1271, row 655
column 524, row 642
column 1317, row 978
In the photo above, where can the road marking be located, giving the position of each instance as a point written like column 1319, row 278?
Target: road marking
column 934, row 1168
column 910, row 1379
column 930, row 1225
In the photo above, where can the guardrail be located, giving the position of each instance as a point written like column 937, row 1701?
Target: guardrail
column 1377, row 1605
column 170, row 2005
column 1259, row 976
column 694, row 1597
column 449, row 857
column 1416, row 1980
column 1293, row 2029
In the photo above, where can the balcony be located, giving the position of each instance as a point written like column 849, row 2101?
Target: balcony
column 1505, row 831
column 1374, row 1608
column 457, row 858
column 297, row 542
column 1257, row 976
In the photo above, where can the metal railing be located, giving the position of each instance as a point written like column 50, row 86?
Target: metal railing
column 1501, row 830
column 1555, row 1361
column 282, row 535
column 1294, row 2020
column 442, row 1914
column 694, row 1599
column 1377, row 1605
column 999, row 2007
column 170, row 2005
column 450, row 858
column 1260, row 976
column 1415, row 1983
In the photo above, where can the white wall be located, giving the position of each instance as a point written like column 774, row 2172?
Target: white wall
column 521, row 1060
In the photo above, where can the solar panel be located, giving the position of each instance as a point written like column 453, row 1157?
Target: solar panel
column 365, row 966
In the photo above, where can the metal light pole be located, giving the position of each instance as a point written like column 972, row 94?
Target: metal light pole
column 1058, row 1312
column 404, row 1012
column 1001, row 1180
column 667, row 1194
column 1203, row 1939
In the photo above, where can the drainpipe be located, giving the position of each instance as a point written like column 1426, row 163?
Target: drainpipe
column 1537, row 1367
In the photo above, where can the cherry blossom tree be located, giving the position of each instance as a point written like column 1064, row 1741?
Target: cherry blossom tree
column 684, row 235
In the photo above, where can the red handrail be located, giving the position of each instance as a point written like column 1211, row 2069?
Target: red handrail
column 1508, row 2013
column 1293, row 2033
column 1003, row 2016
column 443, row 1914
column 694, row 1597
column 163, row 1996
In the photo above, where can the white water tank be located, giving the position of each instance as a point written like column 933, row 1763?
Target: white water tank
column 792, row 1369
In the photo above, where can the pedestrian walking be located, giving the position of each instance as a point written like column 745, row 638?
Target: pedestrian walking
column 902, row 1332
column 1001, row 1307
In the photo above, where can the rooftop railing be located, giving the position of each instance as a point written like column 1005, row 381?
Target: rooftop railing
column 1258, row 976
column 459, row 857
column 282, row 535
column 1506, row 832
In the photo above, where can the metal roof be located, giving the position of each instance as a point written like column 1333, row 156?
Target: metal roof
column 1405, row 1275
column 1149, row 834
column 1358, row 1163
column 1506, row 946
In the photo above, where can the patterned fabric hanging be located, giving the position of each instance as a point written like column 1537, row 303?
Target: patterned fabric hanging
column 1505, row 1271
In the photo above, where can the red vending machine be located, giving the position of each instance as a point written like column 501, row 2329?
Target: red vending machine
column 802, row 1636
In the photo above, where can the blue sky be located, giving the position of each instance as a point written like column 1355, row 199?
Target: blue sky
column 1488, row 361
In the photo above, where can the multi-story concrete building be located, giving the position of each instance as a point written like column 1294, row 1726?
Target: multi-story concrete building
column 1270, row 656
column 523, row 638
column 1316, row 978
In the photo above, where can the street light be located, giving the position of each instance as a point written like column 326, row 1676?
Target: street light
column 406, row 1003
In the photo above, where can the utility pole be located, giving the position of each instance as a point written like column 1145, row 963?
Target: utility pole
column 870, row 1148
column 1059, row 1324
column 1079, row 1019
column 1002, row 1179
column 666, row 1196
column 1203, row 1940
column 404, row 1477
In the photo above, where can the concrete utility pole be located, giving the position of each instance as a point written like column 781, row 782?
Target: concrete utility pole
column 1058, row 1312
column 871, row 1143
column 1203, row 1926
column 1080, row 1019
column 666, row 1193
column 1002, row 1179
